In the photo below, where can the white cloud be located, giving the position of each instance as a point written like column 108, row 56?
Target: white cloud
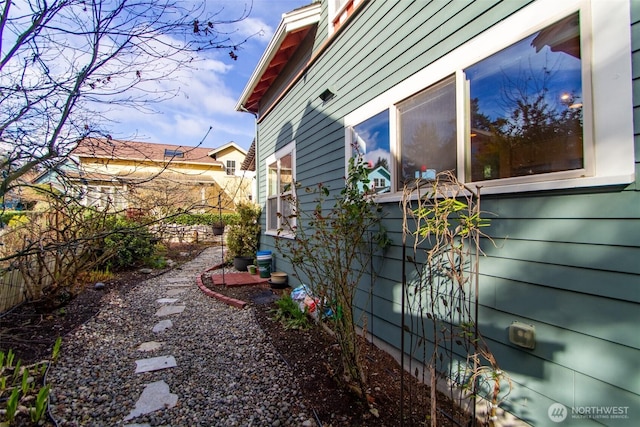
column 257, row 29
column 206, row 94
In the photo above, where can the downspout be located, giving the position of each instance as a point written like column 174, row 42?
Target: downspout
column 257, row 167
column 255, row 139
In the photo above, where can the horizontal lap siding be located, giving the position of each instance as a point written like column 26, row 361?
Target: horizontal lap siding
column 564, row 262
column 568, row 264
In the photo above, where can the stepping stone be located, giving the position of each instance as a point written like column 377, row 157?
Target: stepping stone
column 177, row 280
column 162, row 325
column 167, row 300
column 150, row 346
column 173, row 292
column 167, row 310
column 179, row 285
column 155, row 364
column 155, row 396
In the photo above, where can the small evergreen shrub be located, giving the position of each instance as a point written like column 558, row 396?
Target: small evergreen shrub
column 132, row 244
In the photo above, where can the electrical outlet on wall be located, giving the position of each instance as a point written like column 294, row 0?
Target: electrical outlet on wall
column 522, row 334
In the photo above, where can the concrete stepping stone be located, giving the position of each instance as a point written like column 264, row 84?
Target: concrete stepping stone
column 155, row 396
column 179, row 281
column 155, row 364
column 162, row 325
column 167, row 310
column 179, row 285
column 174, row 292
column 150, row 346
column 167, row 300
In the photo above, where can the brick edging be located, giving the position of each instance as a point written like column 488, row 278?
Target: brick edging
column 215, row 267
column 225, row 299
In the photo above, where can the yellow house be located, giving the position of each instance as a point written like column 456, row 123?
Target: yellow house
column 158, row 178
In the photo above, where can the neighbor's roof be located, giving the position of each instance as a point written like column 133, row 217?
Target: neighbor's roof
column 293, row 28
column 138, row 177
column 143, row 151
column 229, row 144
column 249, row 163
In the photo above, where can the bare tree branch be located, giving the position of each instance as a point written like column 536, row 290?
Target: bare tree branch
column 66, row 63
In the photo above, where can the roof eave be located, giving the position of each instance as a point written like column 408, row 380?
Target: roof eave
column 291, row 22
column 230, row 144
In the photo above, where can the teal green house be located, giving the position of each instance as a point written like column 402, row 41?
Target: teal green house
column 534, row 102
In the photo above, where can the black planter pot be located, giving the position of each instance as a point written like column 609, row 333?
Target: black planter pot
column 218, row 230
column 241, row 263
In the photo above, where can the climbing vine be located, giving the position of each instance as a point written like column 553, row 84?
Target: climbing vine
column 442, row 232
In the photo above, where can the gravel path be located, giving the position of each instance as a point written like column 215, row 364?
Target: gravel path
column 227, row 373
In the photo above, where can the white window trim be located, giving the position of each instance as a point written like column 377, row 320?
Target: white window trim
column 332, row 13
column 613, row 153
column 227, row 167
column 290, row 148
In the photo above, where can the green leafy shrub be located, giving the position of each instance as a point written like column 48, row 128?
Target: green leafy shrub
column 15, row 219
column 159, row 257
column 243, row 233
column 7, row 216
column 131, row 243
column 289, row 315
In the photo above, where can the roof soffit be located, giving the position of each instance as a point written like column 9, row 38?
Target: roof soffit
column 292, row 30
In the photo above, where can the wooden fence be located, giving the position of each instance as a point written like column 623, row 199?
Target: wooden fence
column 12, row 290
column 13, row 287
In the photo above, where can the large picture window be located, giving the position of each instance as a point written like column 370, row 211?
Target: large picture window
column 526, row 106
column 540, row 101
column 427, row 133
column 280, row 191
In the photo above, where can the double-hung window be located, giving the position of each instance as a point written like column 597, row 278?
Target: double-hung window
column 548, row 108
column 231, row 167
column 280, row 191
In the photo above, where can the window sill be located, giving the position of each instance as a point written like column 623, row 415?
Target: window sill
column 550, row 185
column 565, row 184
column 273, row 233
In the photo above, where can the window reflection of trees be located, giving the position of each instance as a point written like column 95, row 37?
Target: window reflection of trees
column 535, row 125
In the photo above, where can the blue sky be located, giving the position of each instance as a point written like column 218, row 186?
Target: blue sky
column 207, row 96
